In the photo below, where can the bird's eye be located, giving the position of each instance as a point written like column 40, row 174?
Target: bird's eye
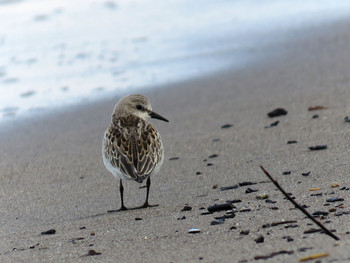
column 139, row 107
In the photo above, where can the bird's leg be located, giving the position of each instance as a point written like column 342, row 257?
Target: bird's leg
column 121, row 190
column 148, row 184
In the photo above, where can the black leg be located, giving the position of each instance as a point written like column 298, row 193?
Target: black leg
column 121, row 190
column 148, row 184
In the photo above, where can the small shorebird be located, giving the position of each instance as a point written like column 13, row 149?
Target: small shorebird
column 132, row 148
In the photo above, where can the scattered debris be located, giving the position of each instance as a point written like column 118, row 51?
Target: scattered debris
column 347, row 119
column 317, row 107
column 312, row 230
column 225, row 126
column 220, row 207
column 210, row 164
column 92, row 253
column 314, row 189
column 272, row 124
column 249, row 190
column 316, row 116
column 277, row 112
column 260, row 239
column 215, row 186
column 287, row 172
column 314, row 256
column 246, row 183
column 306, row 174
column 334, row 185
column 320, row 213
column 288, row 238
column 217, row 222
column 181, row 218
column 49, row 232
column 32, row 247
column 198, row 173
column 244, row 232
column 318, row 147
column 279, row 223
column 282, row 252
column 174, row 158
column 194, row 231
column 335, row 199
column 213, row 156
column 138, row 218
column 301, row 208
column 262, row 196
column 225, row 188
column 186, row 208
column 292, row 142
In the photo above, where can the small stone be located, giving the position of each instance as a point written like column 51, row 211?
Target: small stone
column 318, row 147
column 334, row 185
column 320, row 213
column 317, row 107
column 244, row 232
column 198, row 173
column 215, row 186
column 210, row 164
column 286, row 173
column 186, row 208
column 249, row 190
column 220, row 207
column 93, row 253
column 217, row 222
column 277, row 112
column 274, row 124
column 181, row 218
column 92, row 233
column 315, row 116
column 174, row 158
column 138, row 218
column 225, row 126
column 268, row 201
column 194, row 231
column 262, row 196
column 347, row 119
column 292, row 142
column 306, row 174
column 225, row 188
column 49, row 232
column 260, row 239
column 212, row 156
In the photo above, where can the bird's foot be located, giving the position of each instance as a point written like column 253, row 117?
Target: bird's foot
column 123, row 208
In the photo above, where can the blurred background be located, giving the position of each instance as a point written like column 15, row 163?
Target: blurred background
column 55, row 53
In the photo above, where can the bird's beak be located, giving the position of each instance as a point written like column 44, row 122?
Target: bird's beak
column 157, row 116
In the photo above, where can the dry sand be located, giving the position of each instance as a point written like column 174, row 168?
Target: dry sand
column 52, row 175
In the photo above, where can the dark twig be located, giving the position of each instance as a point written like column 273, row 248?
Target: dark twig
column 302, row 209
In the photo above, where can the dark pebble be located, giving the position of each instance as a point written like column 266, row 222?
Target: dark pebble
column 213, row 156
column 210, row 164
column 315, row 116
column 83, row 227
column 249, row 190
column 225, row 188
column 186, row 208
column 138, row 218
column 260, row 239
column 233, row 227
column 198, row 173
column 225, row 126
column 318, row 194
column 217, row 222
column 93, row 253
column 320, row 213
column 303, row 249
column 269, row 201
column 215, row 186
column 32, row 247
column 216, row 140
column 306, row 174
column 287, row 173
column 49, row 232
column 336, row 199
column 274, row 208
column 318, row 147
column 174, row 158
column 288, row 238
column 347, row 119
column 245, row 210
column 342, row 213
column 246, row 183
column 292, row 142
column 234, row 201
column 274, row 124
column 181, row 218
column 277, row 112
column 220, row 207
column 244, row 232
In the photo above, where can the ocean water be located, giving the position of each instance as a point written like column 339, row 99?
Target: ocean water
column 55, row 53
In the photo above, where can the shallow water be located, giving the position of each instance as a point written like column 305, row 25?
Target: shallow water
column 60, row 52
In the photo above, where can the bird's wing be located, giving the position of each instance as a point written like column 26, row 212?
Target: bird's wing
column 135, row 154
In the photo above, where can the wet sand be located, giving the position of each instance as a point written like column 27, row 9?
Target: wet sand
column 52, row 175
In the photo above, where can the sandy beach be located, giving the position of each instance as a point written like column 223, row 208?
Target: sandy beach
column 53, row 177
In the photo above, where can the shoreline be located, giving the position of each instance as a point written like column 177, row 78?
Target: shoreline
column 53, row 176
